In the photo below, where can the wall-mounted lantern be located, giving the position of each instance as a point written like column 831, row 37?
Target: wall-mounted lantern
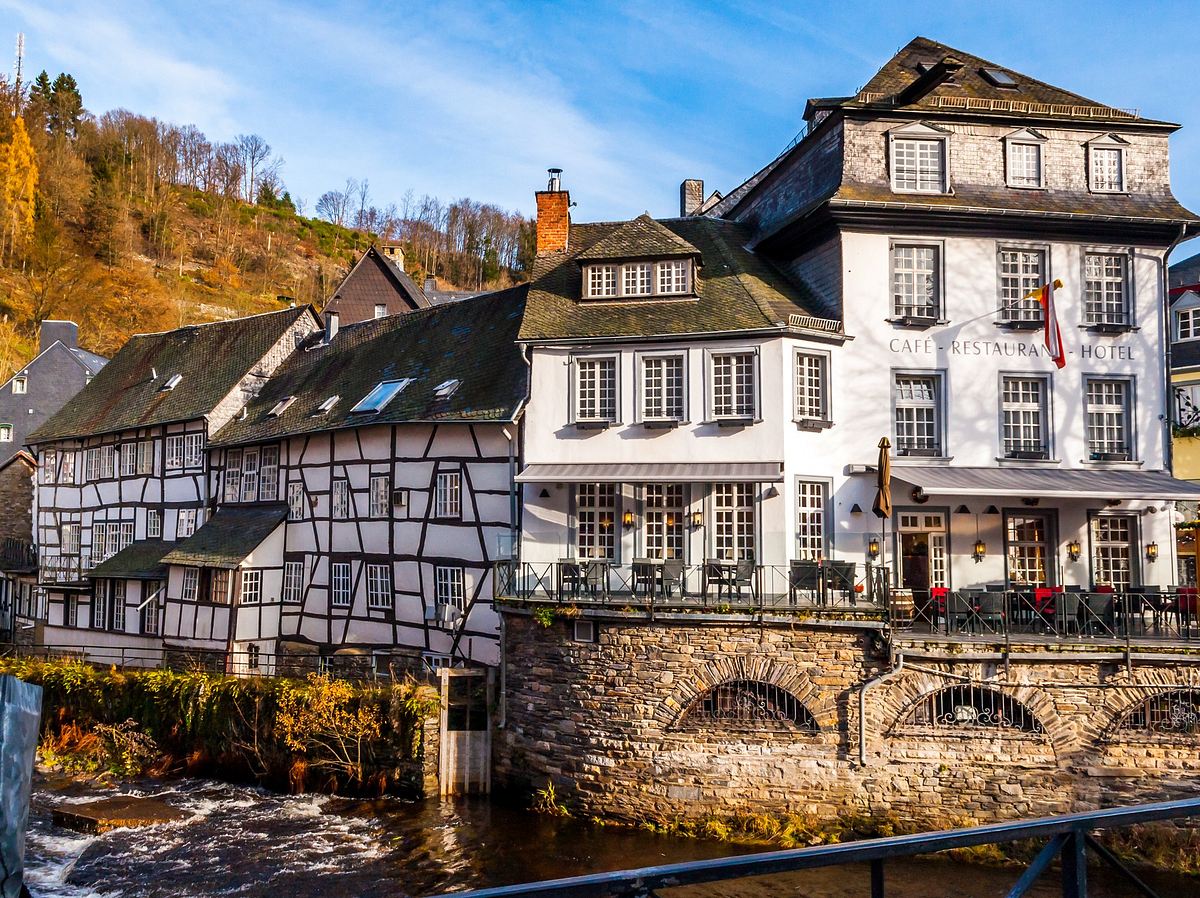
column 627, row 519
column 1152, row 552
column 873, row 547
column 1074, row 550
column 980, row 550
column 697, row 520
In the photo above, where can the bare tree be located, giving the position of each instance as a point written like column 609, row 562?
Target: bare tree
column 254, row 152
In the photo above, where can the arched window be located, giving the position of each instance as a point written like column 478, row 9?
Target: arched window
column 750, row 703
column 1177, row 711
column 970, row 707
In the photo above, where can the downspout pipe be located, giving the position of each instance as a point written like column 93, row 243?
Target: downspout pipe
column 883, row 678
column 1165, row 313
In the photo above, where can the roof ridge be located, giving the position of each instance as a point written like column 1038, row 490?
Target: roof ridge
column 184, row 327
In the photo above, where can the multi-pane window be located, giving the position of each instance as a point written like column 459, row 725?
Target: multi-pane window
column 811, row 505
column 20, row 384
column 233, row 475
column 251, row 587
column 596, row 511
column 662, row 388
column 152, row 592
column 69, row 539
column 193, row 450
column 1025, row 164
column 636, row 278
column 153, row 524
column 1024, row 418
column 664, row 520
column 91, row 465
column 100, row 606
column 1022, row 271
column 50, row 464
column 733, row 389
column 174, row 452
column 1028, row 543
column 1105, row 288
column 734, row 521
column 108, row 461
column 293, row 581
column 250, row 471
column 918, row 165
column 380, row 495
column 118, row 604
column 673, row 276
column 190, row 590
column 218, row 587
column 596, row 389
column 450, row 587
column 110, row 538
column 811, row 387
column 1187, row 324
column 6, row 433
column 1114, row 541
column 268, row 487
column 379, row 586
column 67, row 474
column 340, row 579
column 380, row 310
column 341, row 500
column 916, row 285
column 918, row 414
column 448, row 495
column 602, row 280
column 295, row 500
column 1107, row 411
column 1108, row 169
column 185, row 523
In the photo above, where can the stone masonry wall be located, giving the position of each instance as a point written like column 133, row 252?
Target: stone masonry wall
column 605, row 722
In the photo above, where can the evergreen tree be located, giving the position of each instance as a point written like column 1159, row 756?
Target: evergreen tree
column 66, row 107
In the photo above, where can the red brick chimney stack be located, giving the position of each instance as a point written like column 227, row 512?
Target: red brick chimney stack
column 553, row 215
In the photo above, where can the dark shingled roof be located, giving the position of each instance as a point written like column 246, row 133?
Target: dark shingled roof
column 228, row 536
column 472, row 341
column 642, row 238
column 970, row 84
column 212, row 359
column 374, row 281
column 142, row 560
column 736, row 289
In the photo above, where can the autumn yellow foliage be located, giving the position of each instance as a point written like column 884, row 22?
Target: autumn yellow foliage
column 18, row 190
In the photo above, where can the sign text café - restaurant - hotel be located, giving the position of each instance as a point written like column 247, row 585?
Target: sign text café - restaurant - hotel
column 713, row 387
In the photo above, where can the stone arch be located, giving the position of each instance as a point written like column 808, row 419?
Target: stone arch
column 1132, row 689
column 706, row 677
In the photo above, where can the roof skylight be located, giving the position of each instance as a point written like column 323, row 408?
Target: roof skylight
column 172, row 383
column 999, row 78
column 446, row 389
column 384, row 392
column 325, row 407
column 280, row 406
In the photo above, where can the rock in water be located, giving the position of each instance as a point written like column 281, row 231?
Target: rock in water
column 110, row 813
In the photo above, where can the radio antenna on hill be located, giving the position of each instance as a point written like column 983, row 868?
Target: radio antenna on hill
column 19, row 61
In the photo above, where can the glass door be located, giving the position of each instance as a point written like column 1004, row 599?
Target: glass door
column 1028, row 541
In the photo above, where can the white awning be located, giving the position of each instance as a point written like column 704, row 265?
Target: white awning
column 1045, row 483
column 656, row 472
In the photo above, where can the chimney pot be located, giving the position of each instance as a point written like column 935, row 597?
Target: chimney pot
column 691, row 196
column 331, row 326
column 553, row 215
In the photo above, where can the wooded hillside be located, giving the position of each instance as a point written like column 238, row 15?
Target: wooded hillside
column 127, row 225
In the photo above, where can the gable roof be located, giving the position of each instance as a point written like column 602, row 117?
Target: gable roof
column 375, row 281
column 472, row 341
column 225, row 539
column 210, row 358
column 736, row 289
column 970, row 90
column 641, row 238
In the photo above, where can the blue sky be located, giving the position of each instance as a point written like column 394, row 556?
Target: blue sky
column 479, row 98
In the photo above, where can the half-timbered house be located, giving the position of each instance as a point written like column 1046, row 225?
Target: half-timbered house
column 123, row 474
column 362, row 496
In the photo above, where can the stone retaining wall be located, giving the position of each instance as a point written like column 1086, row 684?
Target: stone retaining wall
column 606, row 722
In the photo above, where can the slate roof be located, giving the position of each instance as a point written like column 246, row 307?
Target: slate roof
column 642, row 238
column 970, row 84
column 1186, row 272
column 212, row 359
column 225, row 539
column 736, row 289
column 375, row 281
column 142, row 560
column 472, row 341
column 90, row 360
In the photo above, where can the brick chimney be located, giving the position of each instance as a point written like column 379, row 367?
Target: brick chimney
column 65, row 332
column 691, row 196
column 553, row 215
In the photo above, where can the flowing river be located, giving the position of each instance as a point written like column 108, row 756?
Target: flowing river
column 244, row 841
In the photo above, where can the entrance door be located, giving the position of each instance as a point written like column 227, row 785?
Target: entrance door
column 1029, row 538
column 922, row 554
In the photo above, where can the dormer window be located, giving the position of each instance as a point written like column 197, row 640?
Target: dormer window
column 280, row 406
column 445, row 389
column 172, row 383
column 918, row 159
column 670, row 277
column 1106, row 164
column 384, row 392
column 325, row 407
column 1023, row 152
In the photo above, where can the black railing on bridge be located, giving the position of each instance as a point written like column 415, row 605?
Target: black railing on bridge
column 1068, row 836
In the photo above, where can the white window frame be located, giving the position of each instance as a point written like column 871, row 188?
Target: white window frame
column 810, row 377
column 380, row 504
column 734, row 521
column 664, row 530
column 1192, row 317
column 1097, row 303
column 597, row 413
column 381, row 310
column 1016, row 143
column 293, row 582
column 69, row 538
column 1015, row 279
column 1015, row 412
column 665, row 403
column 268, row 474
column 154, row 522
column 233, row 475
column 450, row 587
column 193, row 449
column 596, row 508
column 117, row 602
column 937, row 404
column 151, row 594
column 341, row 586
column 601, row 281
column 50, row 465
column 917, row 139
column 295, row 500
column 736, row 410
column 189, row 589
column 20, row 385
column 339, row 499
column 1115, row 562
column 108, row 462
column 185, row 523
column 1126, row 423
column 251, row 591
column 100, row 606
column 174, row 452
column 448, row 495
column 251, row 474
column 6, row 433
column 91, row 464
column 379, row 587
column 1105, row 145
column 639, row 279
column 895, row 272
column 812, row 518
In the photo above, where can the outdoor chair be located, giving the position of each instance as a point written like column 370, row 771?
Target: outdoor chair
column 1067, row 618
column 672, row 577
column 990, row 611
column 961, row 610
column 1098, row 613
column 643, row 576
column 570, row 578
column 595, row 577
column 743, row 578
column 840, row 576
column 804, row 576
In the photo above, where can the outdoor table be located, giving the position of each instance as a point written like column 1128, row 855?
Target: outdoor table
column 722, row 573
column 595, row 575
column 647, row 571
column 568, row 577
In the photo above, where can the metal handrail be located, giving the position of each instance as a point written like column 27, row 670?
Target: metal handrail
column 1068, row 835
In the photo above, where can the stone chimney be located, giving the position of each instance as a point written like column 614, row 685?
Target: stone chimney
column 65, row 332
column 553, row 215
column 691, row 196
column 430, row 285
column 331, row 325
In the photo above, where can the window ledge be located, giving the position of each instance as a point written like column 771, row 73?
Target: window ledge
column 593, row 425
column 1021, row 325
column 661, row 423
column 1041, row 187
column 922, row 459
column 1010, row 461
column 921, row 322
column 1109, row 328
column 734, row 422
column 813, row 424
column 1115, row 463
